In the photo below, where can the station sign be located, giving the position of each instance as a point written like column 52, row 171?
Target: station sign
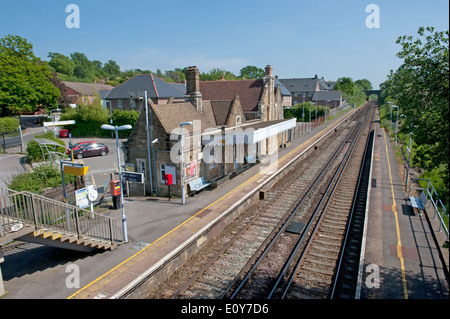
column 133, row 177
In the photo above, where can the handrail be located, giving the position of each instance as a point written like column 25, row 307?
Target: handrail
column 439, row 207
column 41, row 212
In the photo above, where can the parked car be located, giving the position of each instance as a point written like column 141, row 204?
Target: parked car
column 88, row 150
column 79, row 145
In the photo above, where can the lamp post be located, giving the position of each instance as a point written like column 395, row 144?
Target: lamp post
column 117, row 129
column 183, row 199
column 303, row 115
column 310, row 115
column 396, row 126
column 390, row 116
column 326, row 107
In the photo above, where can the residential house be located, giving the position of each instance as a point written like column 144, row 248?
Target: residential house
column 130, row 94
column 303, row 89
column 331, row 99
column 78, row 92
column 221, row 140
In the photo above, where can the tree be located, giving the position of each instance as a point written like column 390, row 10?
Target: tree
column 111, row 68
column 61, row 63
column 364, row 84
column 24, row 78
column 420, row 86
column 217, row 74
column 84, row 69
column 251, row 72
column 345, row 85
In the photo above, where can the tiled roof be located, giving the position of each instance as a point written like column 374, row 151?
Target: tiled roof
column 156, row 88
column 249, row 92
column 87, row 88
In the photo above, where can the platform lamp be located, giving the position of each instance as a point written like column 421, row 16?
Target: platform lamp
column 117, row 129
column 390, row 116
column 311, row 103
column 183, row 199
column 396, row 126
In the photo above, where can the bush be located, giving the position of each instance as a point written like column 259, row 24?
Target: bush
column 121, row 117
column 34, row 151
column 88, row 119
column 43, row 176
column 8, row 124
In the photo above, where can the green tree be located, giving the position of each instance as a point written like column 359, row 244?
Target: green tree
column 8, row 124
column 421, row 86
column 61, row 63
column 345, row 85
column 364, row 84
column 84, row 69
column 217, row 74
column 251, row 72
column 24, row 78
column 111, row 68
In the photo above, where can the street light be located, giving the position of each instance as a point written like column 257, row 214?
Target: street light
column 396, row 126
column 124, row 217
column 390, row 116
column 183, row 200
column 310, row 115
column 326, row 107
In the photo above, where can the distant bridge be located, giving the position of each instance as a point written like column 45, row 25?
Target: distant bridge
column 377, row 92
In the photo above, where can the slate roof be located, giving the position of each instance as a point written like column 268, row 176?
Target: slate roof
column 249, row 92
column 304, row 84
column 156, row 88
column 284, row 91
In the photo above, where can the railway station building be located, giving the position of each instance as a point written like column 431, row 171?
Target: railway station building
column 225, row 136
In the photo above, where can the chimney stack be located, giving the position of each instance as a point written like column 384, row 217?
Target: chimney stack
column 193, row 94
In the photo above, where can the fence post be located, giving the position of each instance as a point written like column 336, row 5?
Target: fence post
column 33, row 209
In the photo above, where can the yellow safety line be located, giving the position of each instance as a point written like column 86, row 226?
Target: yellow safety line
column 187, row 220
column 399, row 241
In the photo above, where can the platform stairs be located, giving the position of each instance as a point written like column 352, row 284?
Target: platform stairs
column 30, row 217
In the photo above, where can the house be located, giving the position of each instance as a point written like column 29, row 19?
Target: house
column 130, row 94
column 79, row 92
column 331, row 99
column 302, row 89
column 220, row 142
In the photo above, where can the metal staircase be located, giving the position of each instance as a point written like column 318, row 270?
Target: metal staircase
column 30, row 217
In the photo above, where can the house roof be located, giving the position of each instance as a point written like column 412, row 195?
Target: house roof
column 87, row 88
column 327, row 95
column 304, row 84
column 156, row 88
column 284, row 91
column 249, row 92
column 171, row 115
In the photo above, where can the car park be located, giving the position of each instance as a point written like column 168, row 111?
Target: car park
column 93, row 149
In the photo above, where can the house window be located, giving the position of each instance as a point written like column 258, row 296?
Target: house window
column 119, row 104
column 238, row 120
column 133, row 103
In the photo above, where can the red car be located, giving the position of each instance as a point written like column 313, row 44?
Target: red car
column 80, row 145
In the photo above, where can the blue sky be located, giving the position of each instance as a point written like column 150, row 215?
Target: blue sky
column 298, row 38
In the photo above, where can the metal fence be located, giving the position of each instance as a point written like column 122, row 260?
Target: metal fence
column 435, row 202
column 34, row 210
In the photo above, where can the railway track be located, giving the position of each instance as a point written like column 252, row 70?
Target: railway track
column 246, row 261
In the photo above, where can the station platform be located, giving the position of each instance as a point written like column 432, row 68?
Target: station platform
column 402, row 256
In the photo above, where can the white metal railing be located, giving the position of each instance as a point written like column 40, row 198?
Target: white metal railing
column 434, row 200
column 41, row 212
